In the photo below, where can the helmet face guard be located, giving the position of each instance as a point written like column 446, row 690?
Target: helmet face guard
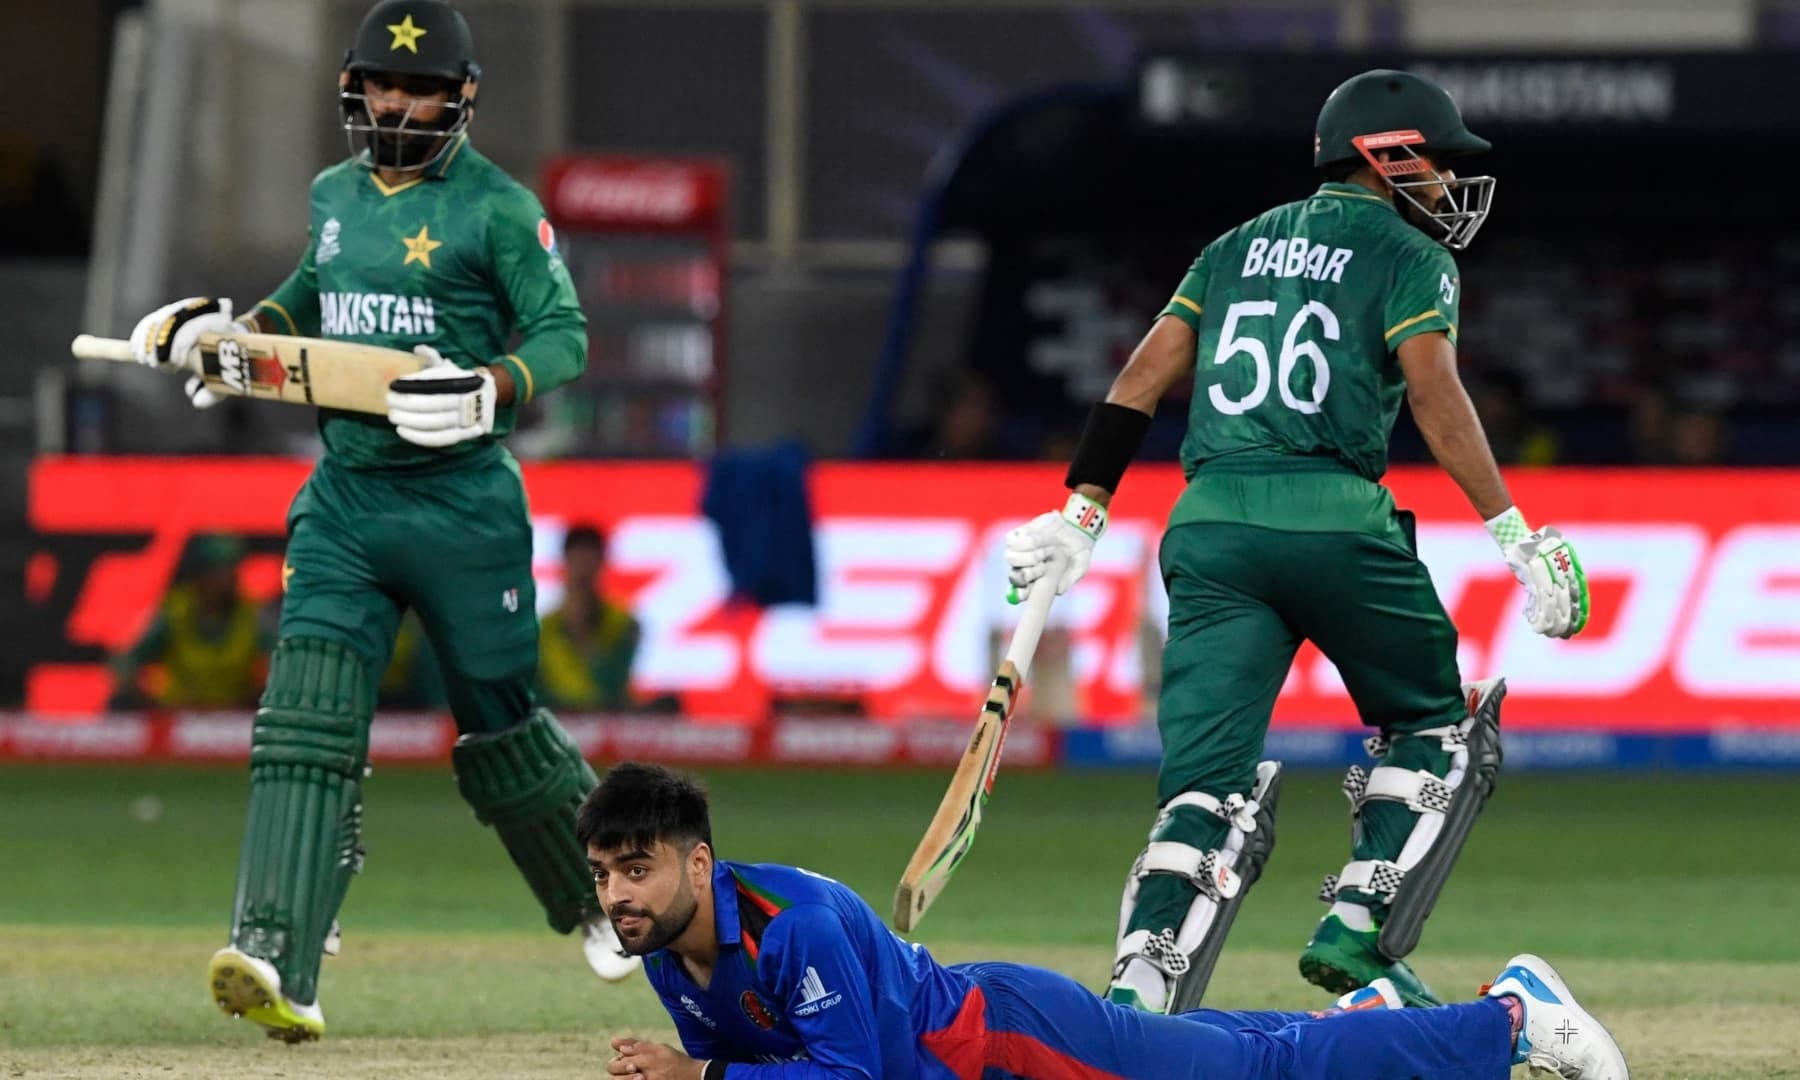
column 405, row 145
column 1462, row 203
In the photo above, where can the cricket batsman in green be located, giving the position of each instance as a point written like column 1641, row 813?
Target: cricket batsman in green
column 417, row 242
column 1304, row 328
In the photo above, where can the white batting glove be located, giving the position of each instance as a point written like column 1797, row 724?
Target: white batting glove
column 443, row 404
column 1070, row 532
column 1546, row 564
column 200, row 395
column 168, row 335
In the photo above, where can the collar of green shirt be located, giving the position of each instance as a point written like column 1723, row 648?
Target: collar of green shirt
column 1353, row 191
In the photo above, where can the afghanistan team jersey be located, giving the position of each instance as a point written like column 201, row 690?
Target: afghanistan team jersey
column 1298, row 313
column 457, row 258
column 809, row 982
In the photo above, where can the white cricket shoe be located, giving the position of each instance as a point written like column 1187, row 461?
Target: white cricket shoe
column 250, row 987
column 1558, row 1036
column 600, row 944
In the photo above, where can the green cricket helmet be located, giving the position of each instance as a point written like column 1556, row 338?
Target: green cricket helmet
column 1408, row 115
column 417, row 47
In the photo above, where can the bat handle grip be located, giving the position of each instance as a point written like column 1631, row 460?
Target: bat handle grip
column 89, row 347
column 1032, row 619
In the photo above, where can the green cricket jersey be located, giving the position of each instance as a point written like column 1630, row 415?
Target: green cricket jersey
column 457, row 259
column 1298, row 313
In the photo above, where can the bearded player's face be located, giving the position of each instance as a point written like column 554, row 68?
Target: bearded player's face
column 648, row 893
column 1434, row 197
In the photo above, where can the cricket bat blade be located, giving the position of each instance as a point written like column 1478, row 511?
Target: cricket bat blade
column 276, row 367
column 951, row 834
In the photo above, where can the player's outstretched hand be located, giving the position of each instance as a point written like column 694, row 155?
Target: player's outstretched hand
column 443, row 404
column 1070, row 532
column 1546, row 564
column 167, row 335
column 653, row 1061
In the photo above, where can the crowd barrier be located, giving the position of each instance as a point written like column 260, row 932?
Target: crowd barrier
column 425, row 739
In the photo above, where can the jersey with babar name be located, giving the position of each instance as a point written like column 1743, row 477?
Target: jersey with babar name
column 1298, row 313
column 460, row 258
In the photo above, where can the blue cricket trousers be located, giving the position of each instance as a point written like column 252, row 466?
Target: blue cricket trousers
column 1031, row 1023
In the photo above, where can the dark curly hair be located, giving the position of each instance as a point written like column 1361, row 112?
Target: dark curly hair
column 637, row 805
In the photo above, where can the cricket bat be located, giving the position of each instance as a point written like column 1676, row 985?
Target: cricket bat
column 951, row 834
column 297, row 370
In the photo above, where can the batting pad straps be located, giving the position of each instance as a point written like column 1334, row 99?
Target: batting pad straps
column 1234, row 808
column 1159, row 949
column 1422, row 792
column 1108, row 443
column 1375, row 877
column 1452, row 737
column 1205, row 870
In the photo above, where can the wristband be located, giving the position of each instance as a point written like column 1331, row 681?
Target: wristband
column 1085, row 514
column 1508, row 527
column 713, row 1070
column 1108, row 443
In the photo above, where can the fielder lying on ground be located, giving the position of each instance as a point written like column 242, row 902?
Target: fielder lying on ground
column 776, row 972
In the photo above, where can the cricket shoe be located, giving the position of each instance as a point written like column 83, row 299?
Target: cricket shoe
column 1132, row 998
column 250, row 987
column 600, row 944
column 1380, row 994
column 1558, row 1035
column 1341, row 960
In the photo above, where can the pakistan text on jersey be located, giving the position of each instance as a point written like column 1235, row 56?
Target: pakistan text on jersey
column 1296, row 258
column 347, row 313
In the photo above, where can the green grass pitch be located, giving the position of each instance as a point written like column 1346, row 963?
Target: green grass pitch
column 1670, row 903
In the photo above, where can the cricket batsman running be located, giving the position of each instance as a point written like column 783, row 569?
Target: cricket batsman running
column 416, row 242
column 774, row 972
column 1304, row 328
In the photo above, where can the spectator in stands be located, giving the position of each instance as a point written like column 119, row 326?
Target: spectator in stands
column 1674, row 430
column 961, row 425
column 413, row 682
column 208, row 641
column 587, row 644
column 1516, row 438
column 1697, row 436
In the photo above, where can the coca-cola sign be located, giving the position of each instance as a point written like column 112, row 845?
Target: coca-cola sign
column 613, row 192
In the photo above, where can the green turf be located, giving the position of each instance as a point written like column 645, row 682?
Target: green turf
column 1667, row 901
column 1651, row 868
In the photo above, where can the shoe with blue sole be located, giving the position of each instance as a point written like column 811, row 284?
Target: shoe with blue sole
column 1558, row 1035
